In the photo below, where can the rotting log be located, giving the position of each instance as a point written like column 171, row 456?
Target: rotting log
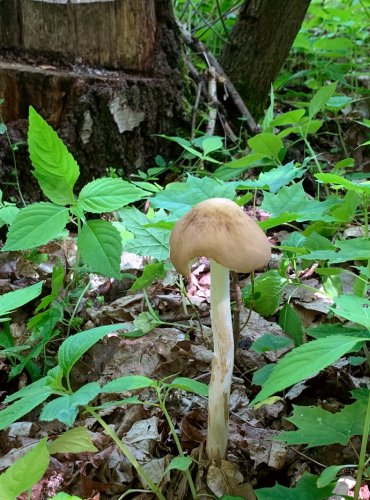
column 105, row 74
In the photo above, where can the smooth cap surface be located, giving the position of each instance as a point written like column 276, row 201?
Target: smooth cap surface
column 220, row 230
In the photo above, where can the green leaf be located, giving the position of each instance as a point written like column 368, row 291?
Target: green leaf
column 65, row 496
column 353, row 308
column 48, row 153
column 76, row 440
column 107, row 194
column 268, row 342
column 36, row 225
column 23, row 406
column 187, row 146
column 289, row 118
column 328, row 475
column 327, row 329
column 57, row 189
column 25, row 472
column 211, row 143
column 321, row 97
column 17, row 298
column 267, row 144
column 75, row 346
column 128, row 383
column 318, row 427
column 280, row 176
column 179, row 463
column 306, row 489
column 100, row 246
column 7, row 215
column 343, row 182
column 291, row 324
column 189, row 385
column 261, row 375
column 180, row 197
column 151, row 272
column 266, row 293
column 304, row 361
column 148, row 241
column 65, row 408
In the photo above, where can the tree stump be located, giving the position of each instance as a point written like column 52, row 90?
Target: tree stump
column 105, row 74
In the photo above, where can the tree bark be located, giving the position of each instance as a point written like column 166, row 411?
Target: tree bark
column 261, row 40
column 107, row 75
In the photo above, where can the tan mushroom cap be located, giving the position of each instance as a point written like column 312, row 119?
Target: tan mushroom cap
column 220, row 230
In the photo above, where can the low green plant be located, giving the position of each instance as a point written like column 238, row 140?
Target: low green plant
column 99, row 242
column 67, row 402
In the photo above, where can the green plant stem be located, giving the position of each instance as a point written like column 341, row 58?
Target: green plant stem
column 317, row 163
column 177, row 442
column 141, row 472
column 76, row 308
column 361, row 460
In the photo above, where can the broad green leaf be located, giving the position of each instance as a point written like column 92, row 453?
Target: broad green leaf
column 11, row 300
column 291, row 324
column 107, row 194
column 321, row 97
column 179, row 463
column 306, row 489
column 353, row 308
column 128, row 383
column 328, row 475
column 48, row 153
column 278, row 220
column 36, row 225
column 21, row 407
column 148, row 241
column 306, row 360
column 266, row 293
column 349, row 250
column 343, row 182
column 189, row 385
column 29, row 390
column 318, row 427
column 211, row 143
column 151, row 272
column 76, row 440
column 146, row 322
column 187, row 146
column 57, row 189
column 7, row 215
column 236, row 167
column 25, row 472
column 289, row 118
column 180, row 197
column 261, row 375
column 267, row 144
column 336, row 103
column 328, row 329
column 100, row 246
column 268, row 342
column 75, row 346
column 65, row 408
column 280, row 176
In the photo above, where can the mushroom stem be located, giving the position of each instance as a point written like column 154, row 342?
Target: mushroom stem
column 222, row 364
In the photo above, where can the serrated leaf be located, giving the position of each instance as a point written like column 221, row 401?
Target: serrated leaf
column 306, row 489
column 189, row 385
column 280, row 176
column 267, row 144
column 148, row 241
column 151, row 272
column 23, row 406
column 25, row 472
column 318, row 427
column 100, row 246
column 266, row 293
column 304, row 361
column 321, row 97
column 75, row 346
column 179, row 463
column 180, row 197
column 76, row 440
column 107, row 194
column 55, row 188
column 128, row 383
column 12, row 300
column 36, row 225
column 48, row 153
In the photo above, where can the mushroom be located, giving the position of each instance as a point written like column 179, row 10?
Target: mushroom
column 219, row 229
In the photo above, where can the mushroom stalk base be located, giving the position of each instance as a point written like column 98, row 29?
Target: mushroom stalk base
column 222, row 364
